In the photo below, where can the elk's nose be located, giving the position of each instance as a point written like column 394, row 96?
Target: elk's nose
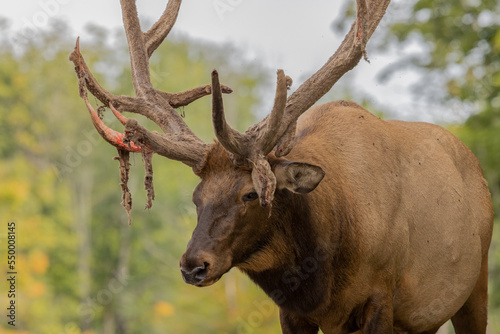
column 195, row 275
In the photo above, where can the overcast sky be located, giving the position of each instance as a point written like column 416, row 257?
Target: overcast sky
column 295, row 35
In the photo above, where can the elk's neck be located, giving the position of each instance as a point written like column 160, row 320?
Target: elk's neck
column 304, row 248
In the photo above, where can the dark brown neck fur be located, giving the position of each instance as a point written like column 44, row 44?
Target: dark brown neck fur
column 307, row 275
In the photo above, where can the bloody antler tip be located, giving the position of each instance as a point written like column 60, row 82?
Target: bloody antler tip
column 113, row 137
column 118, row 115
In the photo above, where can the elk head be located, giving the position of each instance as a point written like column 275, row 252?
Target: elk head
column 241, row 171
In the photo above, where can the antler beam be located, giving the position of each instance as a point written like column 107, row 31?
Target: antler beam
column 347, row 56
column 139, row 59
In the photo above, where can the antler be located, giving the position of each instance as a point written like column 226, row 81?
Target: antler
column 278, row 129
column 154, row 104
column 177, row 142
column 258, row 139
column 347, row 56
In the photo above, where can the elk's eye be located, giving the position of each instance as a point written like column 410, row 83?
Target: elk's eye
column 250, row 197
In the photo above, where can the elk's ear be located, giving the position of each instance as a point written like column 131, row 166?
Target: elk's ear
column 298, row 177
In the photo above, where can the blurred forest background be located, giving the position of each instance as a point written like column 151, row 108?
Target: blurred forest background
column 84, row 270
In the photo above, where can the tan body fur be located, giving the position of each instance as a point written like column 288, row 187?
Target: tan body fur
column 422, row 213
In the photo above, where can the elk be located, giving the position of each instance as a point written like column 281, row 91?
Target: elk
column 349, row 223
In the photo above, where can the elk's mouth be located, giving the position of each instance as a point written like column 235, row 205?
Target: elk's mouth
column 207, row 282
column 201, row 280
column 202, row 274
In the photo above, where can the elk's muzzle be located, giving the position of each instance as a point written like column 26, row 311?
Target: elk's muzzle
column 196, row 275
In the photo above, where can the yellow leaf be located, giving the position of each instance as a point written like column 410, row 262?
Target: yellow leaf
column 36, row 289
column 15, row 192
column 39, row 261
column 164, row 309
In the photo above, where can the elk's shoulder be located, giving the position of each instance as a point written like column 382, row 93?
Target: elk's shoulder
column 339, row 110
column 338, row 115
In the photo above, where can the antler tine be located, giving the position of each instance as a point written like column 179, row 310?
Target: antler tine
column 113, row 137
column 141, row 47
column 160, row 30
column 189, row 150
column 139, row 59
column 90, row 82
column 259, row 139
column 270, row 135
column 164, row 114
column 117, row 114
column 231, row 139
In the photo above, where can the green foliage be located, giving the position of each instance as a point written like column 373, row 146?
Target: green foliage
column 462, row 41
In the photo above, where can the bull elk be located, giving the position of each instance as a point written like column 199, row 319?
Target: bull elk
column 348, row 222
